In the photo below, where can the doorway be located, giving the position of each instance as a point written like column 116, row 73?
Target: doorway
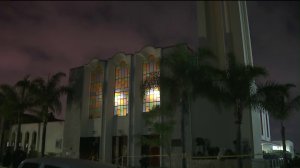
column 154, row 161
column 89, row 148
column 119, row 149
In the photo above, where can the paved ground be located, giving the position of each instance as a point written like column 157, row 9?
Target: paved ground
column 2, row 166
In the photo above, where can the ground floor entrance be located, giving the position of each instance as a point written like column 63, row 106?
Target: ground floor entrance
column 151, row 150
column 89, row 148
column 119, row 149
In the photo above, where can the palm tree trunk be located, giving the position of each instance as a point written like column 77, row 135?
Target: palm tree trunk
column 45, row 121
column 239, row 145
column 44, row 137
column 39, row 137
column 284, row 145
column 18, row 131
column 239, row 133
column 169, row 154
column 183, row 114
column 19, row 119
column 2, row 144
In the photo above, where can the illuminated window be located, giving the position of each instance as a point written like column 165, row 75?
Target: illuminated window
column 277, row 147
column 96, row 85
column 121, row 90
column 152, row 96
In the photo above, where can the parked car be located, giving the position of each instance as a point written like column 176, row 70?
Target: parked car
column 62, row 163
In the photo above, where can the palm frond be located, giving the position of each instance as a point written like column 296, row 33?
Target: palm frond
column 55, row 79
column 231, row 61
column 48, row 94
column 150, row 82
column 205, row 56
column 275, row 98
column 273, row 89
column 10, row 100
column 25, row 82
column 254, row 71
column 294, row 104
column 38, row 84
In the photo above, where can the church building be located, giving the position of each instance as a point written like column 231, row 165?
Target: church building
column 105, row 113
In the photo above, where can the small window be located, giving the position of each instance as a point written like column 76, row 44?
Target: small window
column 58, row 143
column 50, row 166
column 176, row 142
column 30, row 165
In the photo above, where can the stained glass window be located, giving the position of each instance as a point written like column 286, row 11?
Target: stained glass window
column 152, row 96
column 95, row 104
column 121, row 90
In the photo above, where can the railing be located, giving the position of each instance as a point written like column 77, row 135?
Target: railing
column 275, row 163
column 175, row 161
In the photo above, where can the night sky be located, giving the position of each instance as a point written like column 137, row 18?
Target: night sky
column 41, row 38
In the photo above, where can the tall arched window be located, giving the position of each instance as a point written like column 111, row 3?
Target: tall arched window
column 121, row 89
column 151, row 71
column 20, row 140
column 267, row 124
column 96, row 87
column 13, row 139
column 261, row 123
column 33, row 141
column 26, row 141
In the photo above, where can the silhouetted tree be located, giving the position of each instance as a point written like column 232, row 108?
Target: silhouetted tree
column 279, row 103
column 235, row 88
column 183, row 76
column 48, row 99
column 17, row 100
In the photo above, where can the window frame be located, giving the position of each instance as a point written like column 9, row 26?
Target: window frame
column 95, row 104
column 121, row 90
column 151, row 67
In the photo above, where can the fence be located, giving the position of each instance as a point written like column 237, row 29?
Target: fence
column 175, row 161
column 275, row 163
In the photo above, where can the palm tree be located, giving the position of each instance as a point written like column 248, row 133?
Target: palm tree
column 234, row 89
column 18, row 99
column 2, row 122
column 280, row 105
column 47, row 98
column 183, row 73
column 26, row 102
column 10, row 104
column 162, row 124
column 7, row 115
